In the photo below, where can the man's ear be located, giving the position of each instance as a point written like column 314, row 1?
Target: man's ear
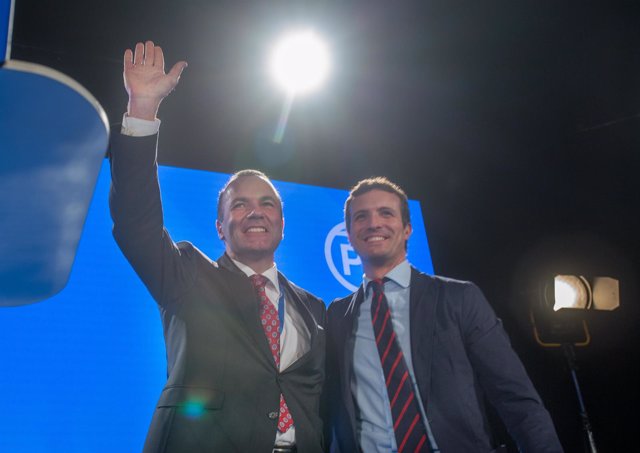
column 219, row 230
column 408, row 229
column 283, row 227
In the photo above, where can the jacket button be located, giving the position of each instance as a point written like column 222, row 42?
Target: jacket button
column 273, row 415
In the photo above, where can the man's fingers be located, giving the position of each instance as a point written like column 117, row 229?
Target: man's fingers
column 158, row 59
column 128, row 58
column 149, row 53
column 138, row 57
column 177, row 69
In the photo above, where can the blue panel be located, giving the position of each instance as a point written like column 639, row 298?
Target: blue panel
column 53, row 137
column 81, row 372
column 5, row 24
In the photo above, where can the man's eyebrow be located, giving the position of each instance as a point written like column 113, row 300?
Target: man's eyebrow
column 377, row 209
column 243, row 198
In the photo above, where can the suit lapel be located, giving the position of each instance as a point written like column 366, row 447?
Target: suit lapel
column 346, row 328
column 423, row 302
column 295, row 299
column 244, row 301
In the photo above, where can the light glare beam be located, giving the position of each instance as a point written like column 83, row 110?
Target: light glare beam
column 284, row 118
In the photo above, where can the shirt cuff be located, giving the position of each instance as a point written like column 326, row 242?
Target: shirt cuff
column 136, row 127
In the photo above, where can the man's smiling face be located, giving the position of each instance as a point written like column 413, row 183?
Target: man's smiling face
column 251, row 222
column 377, row 232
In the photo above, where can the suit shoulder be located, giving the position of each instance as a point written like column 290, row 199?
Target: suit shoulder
column 442, row 281
column 450, row 292
column 190, row 251
column 342, row 300
column 340, row 304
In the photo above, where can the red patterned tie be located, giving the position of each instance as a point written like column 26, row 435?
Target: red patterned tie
column 408, row 427
column 271, row 326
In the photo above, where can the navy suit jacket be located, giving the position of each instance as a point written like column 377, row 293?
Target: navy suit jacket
column 223, row 388
column 460, row 354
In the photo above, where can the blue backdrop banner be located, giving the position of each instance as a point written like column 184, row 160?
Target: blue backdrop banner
column 82, row 370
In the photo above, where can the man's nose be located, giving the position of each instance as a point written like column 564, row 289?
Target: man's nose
column 256, row 212
column 374, row 222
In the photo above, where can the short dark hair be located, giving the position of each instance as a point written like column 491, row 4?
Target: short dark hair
column 380, row 183
column 242, row 174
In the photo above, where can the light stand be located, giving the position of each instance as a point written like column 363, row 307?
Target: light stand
column 570, row 355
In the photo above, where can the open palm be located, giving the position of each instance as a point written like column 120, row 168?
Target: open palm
column 145, row 79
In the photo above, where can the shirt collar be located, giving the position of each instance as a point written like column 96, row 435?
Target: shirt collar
column 401, row 275
column 271, row 273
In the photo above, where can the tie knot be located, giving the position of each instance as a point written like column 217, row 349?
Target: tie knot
column 259, row 281
column 377, row 285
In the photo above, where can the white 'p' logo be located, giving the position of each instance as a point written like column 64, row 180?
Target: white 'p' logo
column 337, row 249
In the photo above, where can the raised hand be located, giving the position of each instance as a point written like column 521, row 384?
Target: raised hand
column 145, row 79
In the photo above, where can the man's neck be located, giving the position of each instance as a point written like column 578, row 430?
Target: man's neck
column 378, row 270
column 257, row 264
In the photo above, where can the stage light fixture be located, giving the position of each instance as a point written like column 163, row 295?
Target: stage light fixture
column 300, row 62
column 559, row 320
column 559, row 315
column 583, row 293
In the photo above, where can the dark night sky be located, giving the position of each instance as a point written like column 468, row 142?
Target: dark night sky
column 516, row 124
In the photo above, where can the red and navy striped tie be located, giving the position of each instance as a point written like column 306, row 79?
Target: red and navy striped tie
column 410, row 432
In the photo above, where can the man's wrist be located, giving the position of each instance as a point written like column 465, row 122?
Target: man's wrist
column 143, row 107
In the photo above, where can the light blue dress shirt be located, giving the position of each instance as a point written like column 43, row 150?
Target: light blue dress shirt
column 374, row 423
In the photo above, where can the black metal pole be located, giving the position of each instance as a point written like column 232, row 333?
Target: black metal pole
column 569, row 353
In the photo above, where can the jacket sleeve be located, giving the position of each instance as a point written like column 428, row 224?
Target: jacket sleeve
column 167, row 269
column 503, row 377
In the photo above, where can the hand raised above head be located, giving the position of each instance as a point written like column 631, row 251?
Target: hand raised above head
column 146, row 81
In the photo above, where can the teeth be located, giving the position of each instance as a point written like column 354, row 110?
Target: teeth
column 256, row 230
column 375, row 238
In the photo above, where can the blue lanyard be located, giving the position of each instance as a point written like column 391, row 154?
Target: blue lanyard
column 281, row 308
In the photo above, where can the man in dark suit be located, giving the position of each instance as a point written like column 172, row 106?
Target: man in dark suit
column 245, row 347
column 412, row 356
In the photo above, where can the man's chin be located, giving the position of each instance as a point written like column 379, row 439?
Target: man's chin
column 375, row 259
column 256, row 252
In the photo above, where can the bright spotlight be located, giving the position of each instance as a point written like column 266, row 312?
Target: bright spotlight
column 586, row 293
column 300, row 62
column 571, row 291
